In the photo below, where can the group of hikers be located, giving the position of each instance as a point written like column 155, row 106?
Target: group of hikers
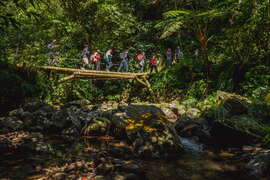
column 93, row 60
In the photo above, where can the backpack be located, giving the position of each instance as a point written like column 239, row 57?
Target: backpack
column 139, row 57
column 122, row 55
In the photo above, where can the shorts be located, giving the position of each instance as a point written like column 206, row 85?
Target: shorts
column 85, row 60
column 108, row 60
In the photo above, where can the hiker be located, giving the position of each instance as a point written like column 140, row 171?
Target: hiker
column 85, row 56
column 51, row 52
column 108, row 59
column 141, row 57
column 153, row 64
column 123, row 57
column 178, row 54
column 95, row 59
column 169, row 57
column 196, row 54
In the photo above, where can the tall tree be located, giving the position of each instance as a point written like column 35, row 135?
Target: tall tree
column 197, row 22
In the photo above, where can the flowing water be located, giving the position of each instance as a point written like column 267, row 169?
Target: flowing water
column 197, row 164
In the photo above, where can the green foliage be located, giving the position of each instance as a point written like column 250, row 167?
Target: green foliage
column 182, row 19
column 247, row 124
column 232, row 35
column 179, row 77
column 260, row 108
column 258, row 76
column 198, row 89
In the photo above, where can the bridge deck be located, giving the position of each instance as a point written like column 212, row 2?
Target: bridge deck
column 92, row 74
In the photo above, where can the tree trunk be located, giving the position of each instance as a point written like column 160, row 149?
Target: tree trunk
column 202, row 37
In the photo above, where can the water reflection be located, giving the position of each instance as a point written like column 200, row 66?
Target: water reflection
column 207, row 165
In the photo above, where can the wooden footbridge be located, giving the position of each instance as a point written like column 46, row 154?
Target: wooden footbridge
column 73, row 74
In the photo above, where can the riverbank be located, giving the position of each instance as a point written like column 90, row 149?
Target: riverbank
column 133, row 141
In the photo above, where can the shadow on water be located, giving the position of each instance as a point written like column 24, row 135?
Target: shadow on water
column 190, row 166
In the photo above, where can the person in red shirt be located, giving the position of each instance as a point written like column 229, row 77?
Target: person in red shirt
column 153, row 64
column 95, row 58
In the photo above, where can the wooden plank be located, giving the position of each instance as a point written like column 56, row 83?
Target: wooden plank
column 91, row 74
column 98, row 78
column 72, row 70
column 130, row 76
column 141, row 81
column 67, row 78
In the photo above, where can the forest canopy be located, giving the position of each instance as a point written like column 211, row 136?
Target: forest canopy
column 231, row 38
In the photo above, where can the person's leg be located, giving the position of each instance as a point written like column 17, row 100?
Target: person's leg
column 120, row 66
column 110, row 65
column 142, row 68
column 54, row 61
column 107, row 66
column 51, row 61
column 155, row 67
column 97, row 66
column 151, row 69
column 50, row 58
column 93, row 65
column 126, row 65
column 85, row 62
column 83, row 65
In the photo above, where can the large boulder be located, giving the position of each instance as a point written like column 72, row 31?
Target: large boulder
column 232, row 123
column 231, row 104
column 147, row 128
column 10, row 124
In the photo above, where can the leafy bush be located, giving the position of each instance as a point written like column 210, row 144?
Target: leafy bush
column 258, row 76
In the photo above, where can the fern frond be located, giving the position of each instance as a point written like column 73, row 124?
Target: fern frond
column 171, row 28
column 176, row 13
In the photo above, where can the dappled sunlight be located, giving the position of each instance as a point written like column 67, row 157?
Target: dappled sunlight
column 138, row 125
column 15, row 139
column 145, row 122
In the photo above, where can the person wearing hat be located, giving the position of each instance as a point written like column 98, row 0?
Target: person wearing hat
column 95, row 58
column 85, row 56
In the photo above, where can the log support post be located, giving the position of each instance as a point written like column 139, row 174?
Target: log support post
column 66, row 78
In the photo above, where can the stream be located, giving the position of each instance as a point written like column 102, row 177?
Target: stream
column 113, row 141
column 198, row 163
